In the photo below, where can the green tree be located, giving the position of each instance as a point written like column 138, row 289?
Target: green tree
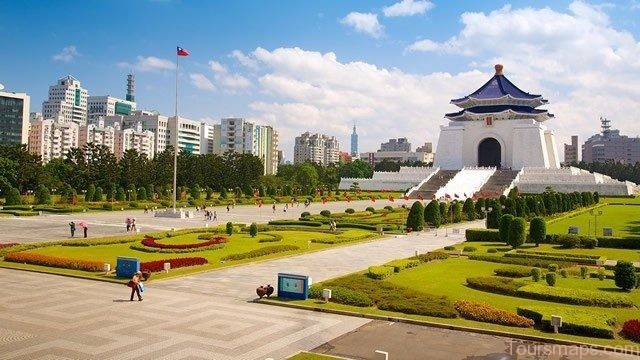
column 111, row 192
column 356, row 169
column 13, row 197
column 596, row 197
column 444, row 212
column 307, row 176
column 456, row 211
column 517, row 232
column 42, row 195
column 149, row 192
column 229, row 228
column 120, row 194
column 432, row 214
column 505, row 225
column 625, row 275
column 494, row 214
column 91, row 190
column 142, row 193
column 415, row 218
column 480, row 206
column 537, row 230
column 97, row 196
column 253, row 229
column 196, row 192
column 469, row 209
column 223, row 193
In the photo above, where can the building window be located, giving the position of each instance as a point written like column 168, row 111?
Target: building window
column 488, row 120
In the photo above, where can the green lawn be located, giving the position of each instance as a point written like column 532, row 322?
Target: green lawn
column 448, row 278
column 238, row 243
column 625, row 221
column 621, row 200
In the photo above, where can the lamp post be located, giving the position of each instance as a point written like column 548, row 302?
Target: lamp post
column 486, row 211
column 53, row 192
column 128, row 194
column 595, row 220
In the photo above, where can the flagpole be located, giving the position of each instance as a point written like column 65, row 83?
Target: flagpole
column 175, row 149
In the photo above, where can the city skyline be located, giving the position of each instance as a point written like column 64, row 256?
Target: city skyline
column 320, row 67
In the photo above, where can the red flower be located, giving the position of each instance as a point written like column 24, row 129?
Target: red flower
column 631, row 329
column 158, row 265
column 151, row 242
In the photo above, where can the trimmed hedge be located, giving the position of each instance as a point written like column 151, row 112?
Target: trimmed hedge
column 554, row 257
column 341, row 239
column 486, row 313
column 380, row 272
column 498, row 285
column 488, row 235
column 271, row 238
column 158, row 265
column 575, row 296
column 53, row 261
column 399, row 265
column 260, row 252
column 342, row 295
column 294, row 222
column 431, row 256
column 582, row 322
column 619, row 242
column 514, row 271
column 541, row 263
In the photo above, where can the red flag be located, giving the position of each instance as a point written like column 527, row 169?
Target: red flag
column 446, row 196
column 420, row 197
column 433, row 197
column 391, row 198
column 406, row 197
column 182, row 52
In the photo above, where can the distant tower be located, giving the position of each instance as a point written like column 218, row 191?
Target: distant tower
column 131, row 84
column 606, row 127
column 354, row 141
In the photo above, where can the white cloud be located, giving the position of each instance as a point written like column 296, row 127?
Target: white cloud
column 364, row 22
column 408, row 8
column 230, row 81
column 149, row 63
column 575, row 58
column 244, row 59
column 201, row 82
column 67, row 54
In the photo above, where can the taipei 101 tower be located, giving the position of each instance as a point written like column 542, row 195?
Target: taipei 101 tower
column 354, row 142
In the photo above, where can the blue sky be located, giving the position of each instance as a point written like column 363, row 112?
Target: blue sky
column 390, row 66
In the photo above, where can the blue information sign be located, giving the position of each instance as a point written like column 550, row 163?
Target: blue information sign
column 127, row 266
column 293, row 286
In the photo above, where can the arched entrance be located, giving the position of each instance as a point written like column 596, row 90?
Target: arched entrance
column 489, row 153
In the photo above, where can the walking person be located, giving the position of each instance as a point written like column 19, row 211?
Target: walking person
column 72, row 228
column 215, row 216
column 274, row 208
column 85, row 229
column 134, row 284
column 133, row 225
column 227, row 208
column 128, row 223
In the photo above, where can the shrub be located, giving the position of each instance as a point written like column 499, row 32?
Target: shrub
column 574, row 296
column 486, row 313
column 388, row 207
column 449, row 248
column 305, row 214
column 498, row 285
column 253, row 229
column 158, row 265
column 385, row 227
column 271, row 238
column 601, row 274
column 564, row 273
column 625, row 275
column 433, row 255
column 536, row 274
column 541, row 263
column 380, row 272
column 537, row 230
column 413, row 302
column 582, row 322
column 618, row 242
column 53, row 261
column 505, row 224
column 267, row 250
column 107, row 206
column 553, row 257
column 399, row 265
column 584, row 271
column 432, row 216
column 569, row 241
column 490, row 235
column 631, row 329
column 514, row 271
column 229, row 228
column 415, row 218
column 550, row 277
column 294, row 222
column 151, row 242
column 42, row 195
column 370, row 209
column 553, row 267
column 134, row 205
column 517, row 232
column 492, row 250
column 325, row 213
column 470, row 249
column 349, row 211
column 342, row 295
column 469, row 209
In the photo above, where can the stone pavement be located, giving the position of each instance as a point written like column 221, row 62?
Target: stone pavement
column 55, row 227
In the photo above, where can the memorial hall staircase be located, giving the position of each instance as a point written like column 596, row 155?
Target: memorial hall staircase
column 498, row 183
column 435, row 182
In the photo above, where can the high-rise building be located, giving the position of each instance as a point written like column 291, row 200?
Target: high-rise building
column 187, row 132
column 150, row 121
column 67, row 98
column 318, row 148
column 354, row 141
column 14, row 118
column 232, row 135
column 571, row 151
column 609, row 145
column 52, row 138
column 399, row 144
column 100, row 106
column 98, row 134
column 240, row 136
column 134, row 138
column 208, row 138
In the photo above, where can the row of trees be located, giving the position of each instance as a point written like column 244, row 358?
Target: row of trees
column 617, row 170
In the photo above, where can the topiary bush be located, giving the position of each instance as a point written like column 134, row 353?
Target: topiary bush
column 449, row 248
column 552, row 267
column 517, row 232
column 305, row 214
column 325, row 213
column 370, row 209
column 492, row 250
column 388, row 207
column 537, row 230
column 482, row 235
column 514, row 271
column 253, row 229
column 432, row 216
column 470, row 249
column 536, row 274
column 584, row 272
column 550, row 277
column 601, row 274
column 505, row 224
column 229, row 228
column 380, row 272
column 498, row 285
column 349, row 211
column 625, row 275
column 415, row 218
column 564, row 273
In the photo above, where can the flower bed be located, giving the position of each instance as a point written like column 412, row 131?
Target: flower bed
column 486, row 313
column 158, row 265
column 53, row 261
column 2, row 246
column 631, row 329
column 151, row 242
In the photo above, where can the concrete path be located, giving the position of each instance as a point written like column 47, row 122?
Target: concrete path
column 56, row 227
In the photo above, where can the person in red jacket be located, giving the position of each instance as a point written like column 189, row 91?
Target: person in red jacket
column 134, row 285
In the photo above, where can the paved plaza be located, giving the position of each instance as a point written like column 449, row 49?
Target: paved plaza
column 212, row 315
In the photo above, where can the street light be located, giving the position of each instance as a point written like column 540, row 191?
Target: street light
column 486, row 211
column 53, row 191
column 595, row 220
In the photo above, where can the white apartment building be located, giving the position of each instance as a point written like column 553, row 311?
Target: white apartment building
column 52, row 138
column 143, row 141
column 232, row 135
column 240, row 136
column 208, row 137
column 108, row 106
column 14, row 118
column 318, row 148
column 150, row 121
column 67, row 98
column 188, row 134
column 98, row 134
